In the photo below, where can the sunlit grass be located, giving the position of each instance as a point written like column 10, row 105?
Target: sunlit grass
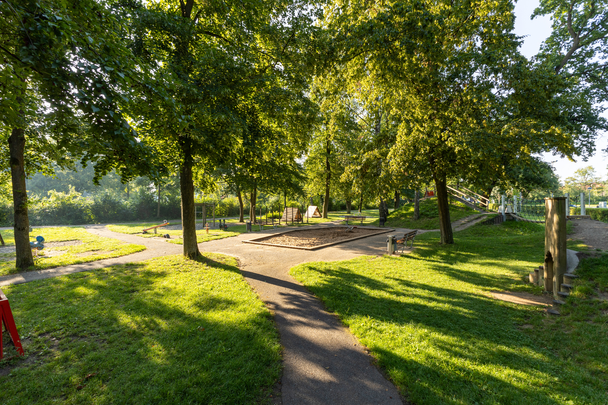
column 429, row 214
column 169, row 330
column 91, row 248
column 175, row 235
column 431, row 322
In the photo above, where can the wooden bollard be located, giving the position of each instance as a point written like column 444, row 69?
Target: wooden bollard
column 548, row 272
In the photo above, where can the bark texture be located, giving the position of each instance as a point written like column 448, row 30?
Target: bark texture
column 416, row 205
column 327, row 179
column 445, row 225
column 187, row 193
column 16, row 143
column 252, row 204
column 158, row 205
column 241, row 213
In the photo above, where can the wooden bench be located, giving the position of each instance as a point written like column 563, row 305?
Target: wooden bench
column 407, row 237
column 354, row 217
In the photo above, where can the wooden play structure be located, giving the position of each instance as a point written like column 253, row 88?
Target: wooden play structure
column 291, row 214
column 313, row 212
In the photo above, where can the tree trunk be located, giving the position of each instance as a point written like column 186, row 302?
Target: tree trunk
column 252, row 204
column 445, row 225
column 241, row 209
column 128, row 191
column 416, row 205
column 16, row 143
column 187, row 193
column 327, row 178
column 360, row 202
column 383, row 211
column 348, row 205
column 158, row 205
column 397, row 199
column 326, row 201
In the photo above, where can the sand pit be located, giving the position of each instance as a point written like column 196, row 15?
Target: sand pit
column 316, row 238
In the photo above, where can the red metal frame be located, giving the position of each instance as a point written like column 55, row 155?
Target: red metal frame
column 6, row 319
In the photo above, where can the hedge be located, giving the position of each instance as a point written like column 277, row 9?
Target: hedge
column 599, row 214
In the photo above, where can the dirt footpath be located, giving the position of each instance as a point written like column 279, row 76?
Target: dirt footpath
column 593, row 233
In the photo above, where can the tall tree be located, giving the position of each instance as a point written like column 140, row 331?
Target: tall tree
column 64, row 66
column 577, row 50
column 218, row 59
column 453, row 74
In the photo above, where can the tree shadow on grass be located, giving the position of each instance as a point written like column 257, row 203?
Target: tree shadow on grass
column 443, row 345
column 164, row 331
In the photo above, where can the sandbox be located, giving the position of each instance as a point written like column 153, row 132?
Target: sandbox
column 318, row 237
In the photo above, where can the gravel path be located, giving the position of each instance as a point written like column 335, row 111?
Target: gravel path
column 593, row 233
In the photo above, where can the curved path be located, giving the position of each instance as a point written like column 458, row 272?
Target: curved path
column 323, row 362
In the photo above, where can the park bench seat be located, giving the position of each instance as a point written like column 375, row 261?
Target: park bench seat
column 354, row 217
column 408, row 236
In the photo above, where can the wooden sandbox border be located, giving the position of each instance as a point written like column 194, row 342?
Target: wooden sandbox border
column 258, row 241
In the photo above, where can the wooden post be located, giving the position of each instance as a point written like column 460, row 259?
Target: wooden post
column 555, row 242
column 548, row 276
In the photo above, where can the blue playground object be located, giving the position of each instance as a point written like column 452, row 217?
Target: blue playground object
column 38, row 244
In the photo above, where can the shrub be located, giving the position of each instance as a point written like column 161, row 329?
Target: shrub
column 599, row 214
column 106, row 208
column 59, row 208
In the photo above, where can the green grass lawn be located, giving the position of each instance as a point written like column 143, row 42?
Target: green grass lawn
column 91, row 249
column 431, row 322
column 429, row 214
column 169, row 330
column 176, row 234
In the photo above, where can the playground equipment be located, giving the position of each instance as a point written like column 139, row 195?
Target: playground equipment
column 7, row 320
column 292, row 214
column 313, row 212
column 551, row 275
column 38, row 244
column 165, row 223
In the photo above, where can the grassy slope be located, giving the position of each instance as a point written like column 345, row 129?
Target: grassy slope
column 168, row 330
column 91, row 249
column 430, row 321
column 429, row 214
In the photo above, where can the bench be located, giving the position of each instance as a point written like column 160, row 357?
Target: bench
column 354, row 217
column 155, row 227
column 407, row 237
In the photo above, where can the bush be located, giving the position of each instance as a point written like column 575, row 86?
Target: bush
column 599, row 214
column 69, row 208
column 6, row 213
column 106, row 208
